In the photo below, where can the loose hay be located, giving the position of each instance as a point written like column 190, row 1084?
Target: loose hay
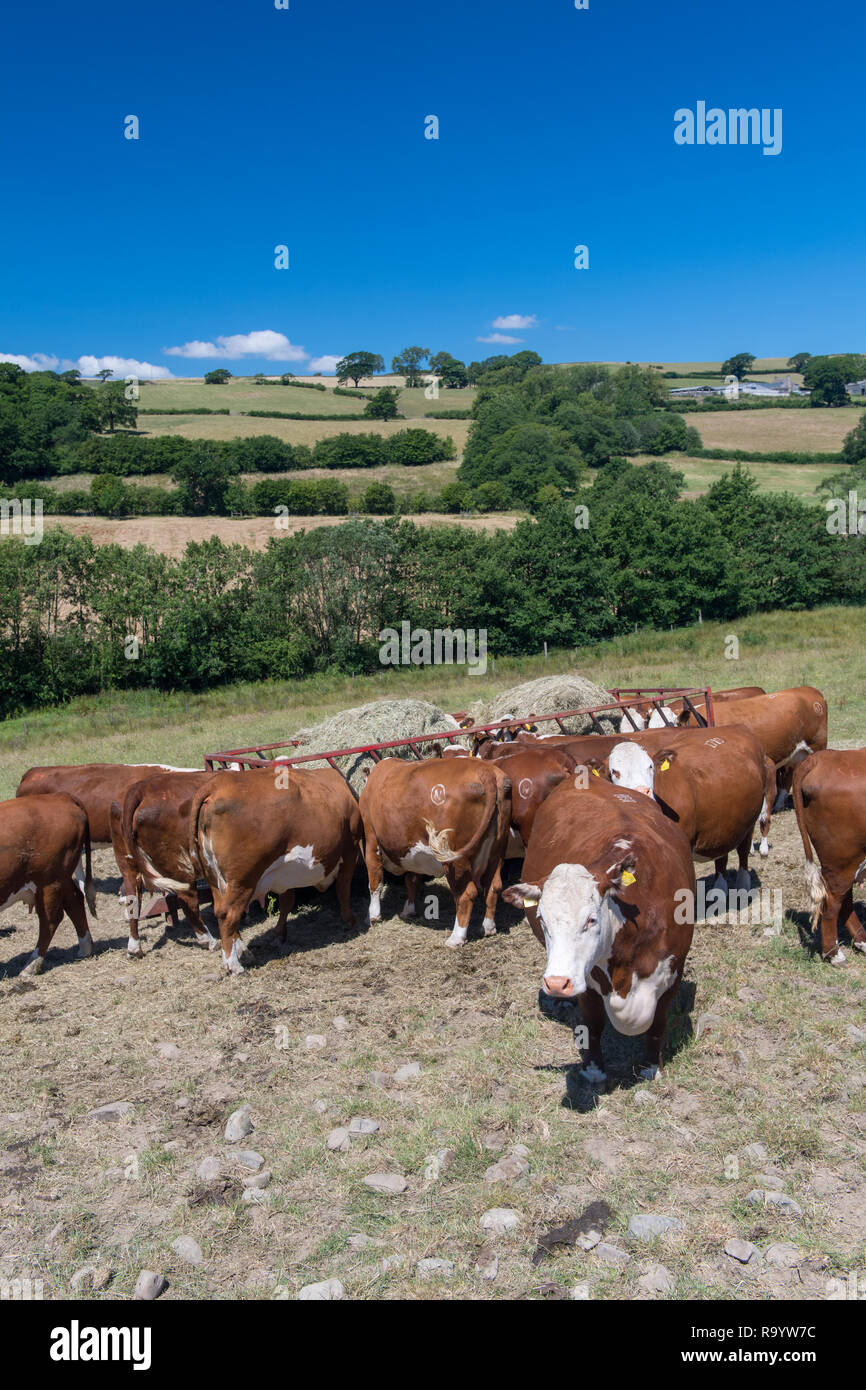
column 549, row 694
column 379, row 722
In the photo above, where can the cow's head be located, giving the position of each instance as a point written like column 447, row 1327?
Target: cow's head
column 579, row 917
column 661, row 718
column 632, row 768
column 632, row 719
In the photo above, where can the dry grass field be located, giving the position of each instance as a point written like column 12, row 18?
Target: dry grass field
column 764, row 1087
column 768, row 430
column 292, row 431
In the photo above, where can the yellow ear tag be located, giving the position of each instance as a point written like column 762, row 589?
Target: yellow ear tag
column 595, row 772
column 665, row 765
column 530, row 902
column 628, row 878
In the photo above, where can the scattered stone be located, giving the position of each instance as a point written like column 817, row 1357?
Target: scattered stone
column 520, row 1150
column 328, row 1289
column 439, row 1163
column 487, row 1263
column 508, row 1170
column 359, row 1241
column 112, row 1112
column 169, row 1050
column 339, row 1140
column 188, row 1250
column 391, row 1184
column 149, row 1285
column 855, row 1034
column 657, row 1279
column 360, row 1124
column 751, row 996
column 756, row 1153
column 782, row 1255
column 407, row 1072
column 741, row 1059
column 339, row 1024
column 498, row 1221
column 313, row 1040
column 647, row 1225
column 382, row 1079
column 761, row 1198
column 707, row 1023
column 259, row 1180
column 741, row 1250
column 771, row 1180
column 579, row 1293
column 643, row 1096
column 182, row 1103
column 319, row 1107
column 173, row 1146
column 494, row 1142
column 255, row 1194
column 238, row 1125
column 427, row 1269
column 209, row 1169
column 611, row 1254
column 248, row 1158
column 390, row 1263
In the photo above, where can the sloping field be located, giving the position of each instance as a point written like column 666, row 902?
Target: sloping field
column 449, row 1060
column 766, row 430
column 244, row 394
column 293, row 431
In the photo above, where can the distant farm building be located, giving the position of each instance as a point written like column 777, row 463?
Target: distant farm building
column 856, row 388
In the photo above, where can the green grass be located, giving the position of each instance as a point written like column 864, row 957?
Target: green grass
column 826, row 647
column 245, row 395
column 700, row 474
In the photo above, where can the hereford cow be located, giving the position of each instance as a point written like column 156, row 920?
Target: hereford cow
column 675, row 708
column 829, row 791
column 789, row 725
column 606, row 891
column 423, row 819
column 260, row 832
column 150, row 836
column 42, row 840
column 533, row 773
column 95, row 785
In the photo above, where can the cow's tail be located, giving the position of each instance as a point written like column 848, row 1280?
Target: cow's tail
column 814, row 878
column 89, row 885
column 439, row 845
column 198, row 801
column 766, row 814
column 131, row 803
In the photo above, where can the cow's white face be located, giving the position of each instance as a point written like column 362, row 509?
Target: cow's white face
column 579, row 927
column 632, row 767
column 637, row 721
column 660, row 719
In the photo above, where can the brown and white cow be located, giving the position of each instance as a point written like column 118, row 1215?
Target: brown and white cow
column 609, row 889
column 95, row 785
column 789, row 725
column 533, row 773
column 272, row 832
column 829, row 792
column 150, row 836
column 439, row 816
column 649, row 717
column 42, row 841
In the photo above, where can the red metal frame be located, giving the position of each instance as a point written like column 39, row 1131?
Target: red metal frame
column 623, row 698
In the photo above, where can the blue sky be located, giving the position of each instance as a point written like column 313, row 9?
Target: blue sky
column 305, row 127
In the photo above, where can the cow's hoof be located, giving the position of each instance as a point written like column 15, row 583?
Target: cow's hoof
column 408, row 911
column 489, row 926
column 454, row 941
column 859, row 946
column 133, row 949
column 34, row 965
column 593, row 1073
column 649, row 1073
column 85, row 946
column 764, row 848
column 839, row 959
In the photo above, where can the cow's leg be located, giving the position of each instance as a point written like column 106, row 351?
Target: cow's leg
column 656, row 1034
column 343, row 885
column 465, row 891
column 49, row 910
column 373, row 861
column 592, row 1013
column 744, row 877
column 188, row 900
column 720, row 883
column 230, row 908
column 838, row 910
column 409, row 909
column 848, row 917
column 286, row 901
column 73, row 902
column 491, row 887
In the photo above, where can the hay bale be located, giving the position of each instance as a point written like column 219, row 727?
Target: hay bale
column 378, row 722
column 550, row 693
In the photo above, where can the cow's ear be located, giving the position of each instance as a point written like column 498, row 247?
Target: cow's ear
column 684, row 716
column 522, row 895
column 436, row 750
column 664, row 759
column 621, row 873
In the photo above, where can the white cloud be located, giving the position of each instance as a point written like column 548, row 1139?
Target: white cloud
column 516, row 321
column 39, row 362
column 87, row 365
column 328, row 363
column 498, row 338
column 261, row 343
column 121, row 367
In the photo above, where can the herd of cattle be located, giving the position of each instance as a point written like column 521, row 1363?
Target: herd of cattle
column 608, row 828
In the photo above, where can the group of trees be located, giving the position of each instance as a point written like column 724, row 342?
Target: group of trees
column 318, row 600
column 43, row 413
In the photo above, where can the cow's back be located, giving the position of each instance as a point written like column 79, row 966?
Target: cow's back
column 95, row 785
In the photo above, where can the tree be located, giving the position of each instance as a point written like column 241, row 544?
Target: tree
column 218, row 377
column 287, row 378
column 826, row 380
column 356, row 365
column 798, row 362
column 110, row 496
column 112, row 406
column 451, row 372
column 408, row 364
column 203, row 481
column 383, row 406
column 739, row 364
column 851, row 365
column 105, row 373
column 854, row 447
column 379, row 499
